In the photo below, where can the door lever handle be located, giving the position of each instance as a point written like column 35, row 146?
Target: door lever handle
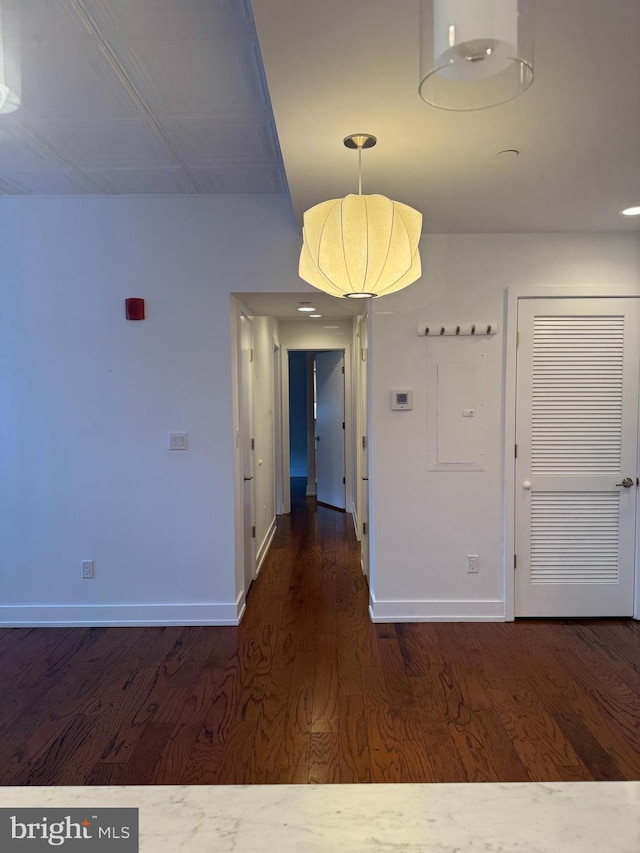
column 626, row 483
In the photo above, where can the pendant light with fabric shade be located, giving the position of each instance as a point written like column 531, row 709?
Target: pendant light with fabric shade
column 360, row 246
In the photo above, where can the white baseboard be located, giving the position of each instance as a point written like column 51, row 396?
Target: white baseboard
column 263, row 550
column 436, row 611
column 120, row 615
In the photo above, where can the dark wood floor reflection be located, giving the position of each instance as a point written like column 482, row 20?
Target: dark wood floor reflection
column 308, row 690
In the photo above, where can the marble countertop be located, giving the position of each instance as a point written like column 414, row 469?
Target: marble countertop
column 563, row 817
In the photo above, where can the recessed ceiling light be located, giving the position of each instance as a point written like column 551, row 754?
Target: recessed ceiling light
column 306, row 306
column 509, row 153
column 315, row 315
column 332, row 327
column 631, row 211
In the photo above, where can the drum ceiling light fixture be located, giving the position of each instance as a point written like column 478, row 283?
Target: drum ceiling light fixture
column 360, row 246
column 475, row 54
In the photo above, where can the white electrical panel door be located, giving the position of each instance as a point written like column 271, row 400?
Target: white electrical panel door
column 577, row 441
column 456, row 392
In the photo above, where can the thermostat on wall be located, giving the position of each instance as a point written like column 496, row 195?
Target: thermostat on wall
column 402, row 399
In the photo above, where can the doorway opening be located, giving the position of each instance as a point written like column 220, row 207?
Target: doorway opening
column 317, row 425
column 300, row 417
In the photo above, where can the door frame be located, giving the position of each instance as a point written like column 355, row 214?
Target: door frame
column 285, row 496
column 238, row 311
column 512, row 297
column 361, row 377
column 277, row 423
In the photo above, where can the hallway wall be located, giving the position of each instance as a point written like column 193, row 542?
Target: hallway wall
column 424, row 521
column 88, row 399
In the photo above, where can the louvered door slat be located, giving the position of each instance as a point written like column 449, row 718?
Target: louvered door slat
column 570, row 384
column 564, row 548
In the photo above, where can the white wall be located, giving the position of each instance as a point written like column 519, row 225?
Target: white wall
column 424, row 523
column 88, row 399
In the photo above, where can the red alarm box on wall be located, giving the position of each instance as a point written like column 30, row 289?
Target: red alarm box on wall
column 135, row 308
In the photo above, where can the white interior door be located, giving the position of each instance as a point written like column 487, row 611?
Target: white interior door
column 577, row 441
column 245, row 376
column 330, row 432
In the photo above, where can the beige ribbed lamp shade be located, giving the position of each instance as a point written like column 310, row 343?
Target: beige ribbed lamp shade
column 361, row 246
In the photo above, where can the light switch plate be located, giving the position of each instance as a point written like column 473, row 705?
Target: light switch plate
column 178, row 441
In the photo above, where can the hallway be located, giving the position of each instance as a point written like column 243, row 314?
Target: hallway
column 306, row 689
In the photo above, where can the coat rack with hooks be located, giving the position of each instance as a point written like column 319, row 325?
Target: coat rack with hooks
column 437, row 330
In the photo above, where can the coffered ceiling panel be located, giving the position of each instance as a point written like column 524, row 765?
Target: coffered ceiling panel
column 143, row 181
column 24, row 19
column 174, row 18
column 135, row 96
column 71, row 77
column 56, row 182
column 178, row 77
column 243, row 179
column 18, row 152
column 106, row 143
column 206, row 141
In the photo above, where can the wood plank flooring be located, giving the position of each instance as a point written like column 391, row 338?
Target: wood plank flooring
column 308, row 690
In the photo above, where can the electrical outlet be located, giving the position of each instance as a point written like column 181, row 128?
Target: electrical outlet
column 88, row 569
column 473, row 563
column 178, row 441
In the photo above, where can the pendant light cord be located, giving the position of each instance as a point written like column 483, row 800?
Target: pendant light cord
column 360, row 170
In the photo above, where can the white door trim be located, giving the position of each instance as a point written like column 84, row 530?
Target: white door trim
column 349, row 421
column 277, row 424
column 512, row 295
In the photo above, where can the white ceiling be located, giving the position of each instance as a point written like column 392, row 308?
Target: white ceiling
column 169, row 96
column 285, row 306
column 136, row 96
column 336, row 67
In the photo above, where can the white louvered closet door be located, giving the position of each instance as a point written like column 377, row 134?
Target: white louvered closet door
column 577, row 437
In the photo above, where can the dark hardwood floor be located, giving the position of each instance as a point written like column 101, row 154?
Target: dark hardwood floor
column 308, row 690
